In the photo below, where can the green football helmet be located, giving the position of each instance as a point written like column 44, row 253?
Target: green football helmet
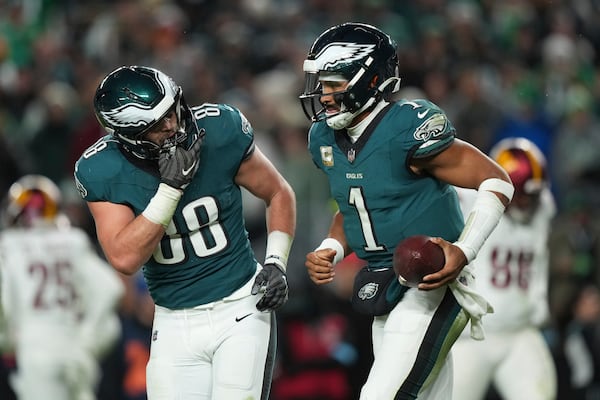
column 360, row 54
column 131, row 100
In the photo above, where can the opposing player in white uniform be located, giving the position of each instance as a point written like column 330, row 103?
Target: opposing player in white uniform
column 59, row 297
column 512, row 274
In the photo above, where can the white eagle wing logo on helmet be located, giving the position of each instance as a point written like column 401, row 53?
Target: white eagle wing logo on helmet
column 135, row 114
column 342, row 53
column 129, row 115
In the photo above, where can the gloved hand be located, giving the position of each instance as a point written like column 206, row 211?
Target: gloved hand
column 274, row 282
column 178, row 165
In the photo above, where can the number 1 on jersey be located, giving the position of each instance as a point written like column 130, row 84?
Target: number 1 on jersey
column 357, row 199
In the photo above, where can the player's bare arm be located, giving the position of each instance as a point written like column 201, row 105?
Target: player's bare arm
column 462, row 164
column 320, row 262
column 261, row 178
column 258, row 175
column 127, row 241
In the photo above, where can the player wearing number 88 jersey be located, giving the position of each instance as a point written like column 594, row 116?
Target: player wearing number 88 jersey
column 512, row 274
column 206, row 237
column 164, row 188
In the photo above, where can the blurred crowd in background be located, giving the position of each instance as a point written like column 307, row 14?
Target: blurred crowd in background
column 506, row 68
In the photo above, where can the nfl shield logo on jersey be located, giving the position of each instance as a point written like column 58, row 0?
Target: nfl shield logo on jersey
column 351, row 155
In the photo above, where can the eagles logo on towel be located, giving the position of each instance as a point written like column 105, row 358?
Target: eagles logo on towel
column 368, row 291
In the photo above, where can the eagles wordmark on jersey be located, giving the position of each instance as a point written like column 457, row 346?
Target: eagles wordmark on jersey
column 377, row 175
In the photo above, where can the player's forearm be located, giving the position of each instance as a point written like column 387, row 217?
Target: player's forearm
column 336, row 231
column 484, row 216
column 129, row 241
column 281, row 211
column 281, row 226
column 133, row 246
column 336, row 239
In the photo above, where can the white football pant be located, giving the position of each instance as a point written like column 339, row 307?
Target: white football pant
column 411, row 347
column 224, row 350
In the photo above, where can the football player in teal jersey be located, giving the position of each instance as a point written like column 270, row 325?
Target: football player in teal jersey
column 391, row 164
column 164, row 188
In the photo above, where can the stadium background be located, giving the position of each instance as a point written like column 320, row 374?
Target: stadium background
column 498, row 68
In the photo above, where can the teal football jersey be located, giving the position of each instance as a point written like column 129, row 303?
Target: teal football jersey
column 381, row 199
column 205, row 254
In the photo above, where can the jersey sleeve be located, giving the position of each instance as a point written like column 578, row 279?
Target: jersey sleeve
column 95, row 168
column 320, row 145
column 248, row 133
column 229, row 130
column 430, row 131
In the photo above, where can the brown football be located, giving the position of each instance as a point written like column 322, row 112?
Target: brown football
column 415, row 257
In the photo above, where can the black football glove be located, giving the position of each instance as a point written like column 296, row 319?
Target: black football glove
column 274, row 282
column 178, row 165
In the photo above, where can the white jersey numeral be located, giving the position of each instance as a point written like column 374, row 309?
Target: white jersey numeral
column 95, row 148
column 207, row 235
column 357, row 199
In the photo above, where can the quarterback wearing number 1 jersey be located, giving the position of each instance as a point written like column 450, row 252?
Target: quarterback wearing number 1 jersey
column 364, row 177
column 391, row 165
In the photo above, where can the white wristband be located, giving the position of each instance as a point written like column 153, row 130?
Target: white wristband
column 162, row 206
column 278, row 248
column 483, row 218
column 331, row 243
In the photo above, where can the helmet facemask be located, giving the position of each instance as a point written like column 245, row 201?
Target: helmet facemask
column 147, row 149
